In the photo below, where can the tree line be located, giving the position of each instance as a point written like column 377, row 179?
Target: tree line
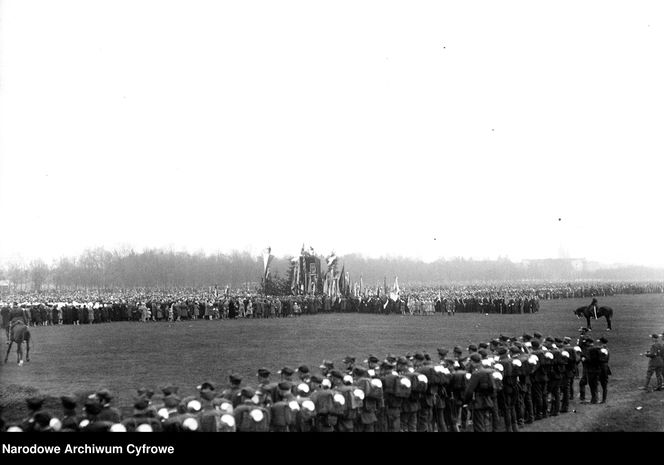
column 154, row 268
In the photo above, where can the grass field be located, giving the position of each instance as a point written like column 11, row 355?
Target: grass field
column 125, row 356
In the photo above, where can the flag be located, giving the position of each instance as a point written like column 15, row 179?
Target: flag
column 394, row 293
column 297, row 275
column 331, row 260
column 326, row 285
column 342, row 280
column 267, row 259
column 347, row 283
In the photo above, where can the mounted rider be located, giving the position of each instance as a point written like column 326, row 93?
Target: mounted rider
column 593, row 307
column 16, row 315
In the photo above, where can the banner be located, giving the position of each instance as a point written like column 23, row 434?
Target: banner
column 295, row 283
column 267, row 259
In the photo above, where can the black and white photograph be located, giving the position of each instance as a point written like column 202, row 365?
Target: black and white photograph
column 349, row 217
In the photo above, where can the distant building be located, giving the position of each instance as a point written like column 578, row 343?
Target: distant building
column 5, row 285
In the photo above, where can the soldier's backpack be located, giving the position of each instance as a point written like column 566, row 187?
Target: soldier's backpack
column 208, row 420
column 560, row 362
column 435, row 375
column 353, row 401
column 307, row 410
column 375, row 389
column 540, row 371
column 498, row 380
column 327, row 408
column 526, row 367
column 281, row 414
column 357, row 397
column 486, row 384
column 254, row 419
column 323, row 401
column 339, row 404
column 593, row 355
column 401, row 386
column 419, row 383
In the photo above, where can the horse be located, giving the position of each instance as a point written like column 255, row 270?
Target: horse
column 587, row 312
column 19, row 333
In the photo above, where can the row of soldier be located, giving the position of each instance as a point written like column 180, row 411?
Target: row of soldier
column 232, row 307
column 496, row 386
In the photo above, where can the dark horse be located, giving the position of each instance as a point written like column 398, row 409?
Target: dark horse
column 19, row 333
column 606, row 312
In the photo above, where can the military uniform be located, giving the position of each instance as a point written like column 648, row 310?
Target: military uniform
column 343, row 384
column 391, row 415
column 107, row 413
column 556, row 375
column 35, row 407
column 525, row 410
column 410, row 405
column 70, row 418
column 141, row 416
column 424, row 370
column 583, row 381
column 570, row 356
column 594, row 369
column 539, row 380
column 233, row 392
column 250, row 417
column 266, row 389
column 442, row 410
column 305, row 417
column 282, row 413
column 479, row 396
column 507, row 396
column 322, row 397
column 655, row 363
column 15, row 315
column 458, row 388
column 373, row 398
column 605, row 370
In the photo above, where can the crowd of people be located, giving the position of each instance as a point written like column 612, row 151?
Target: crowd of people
column 252, row 306
column 53, row 307
column 497, row 385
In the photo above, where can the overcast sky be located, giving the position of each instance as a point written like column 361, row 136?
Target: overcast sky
column 429, row 129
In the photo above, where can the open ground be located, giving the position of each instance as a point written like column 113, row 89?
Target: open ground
column 125, row 356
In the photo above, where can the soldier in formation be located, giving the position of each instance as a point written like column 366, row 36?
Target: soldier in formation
column 497, row 385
